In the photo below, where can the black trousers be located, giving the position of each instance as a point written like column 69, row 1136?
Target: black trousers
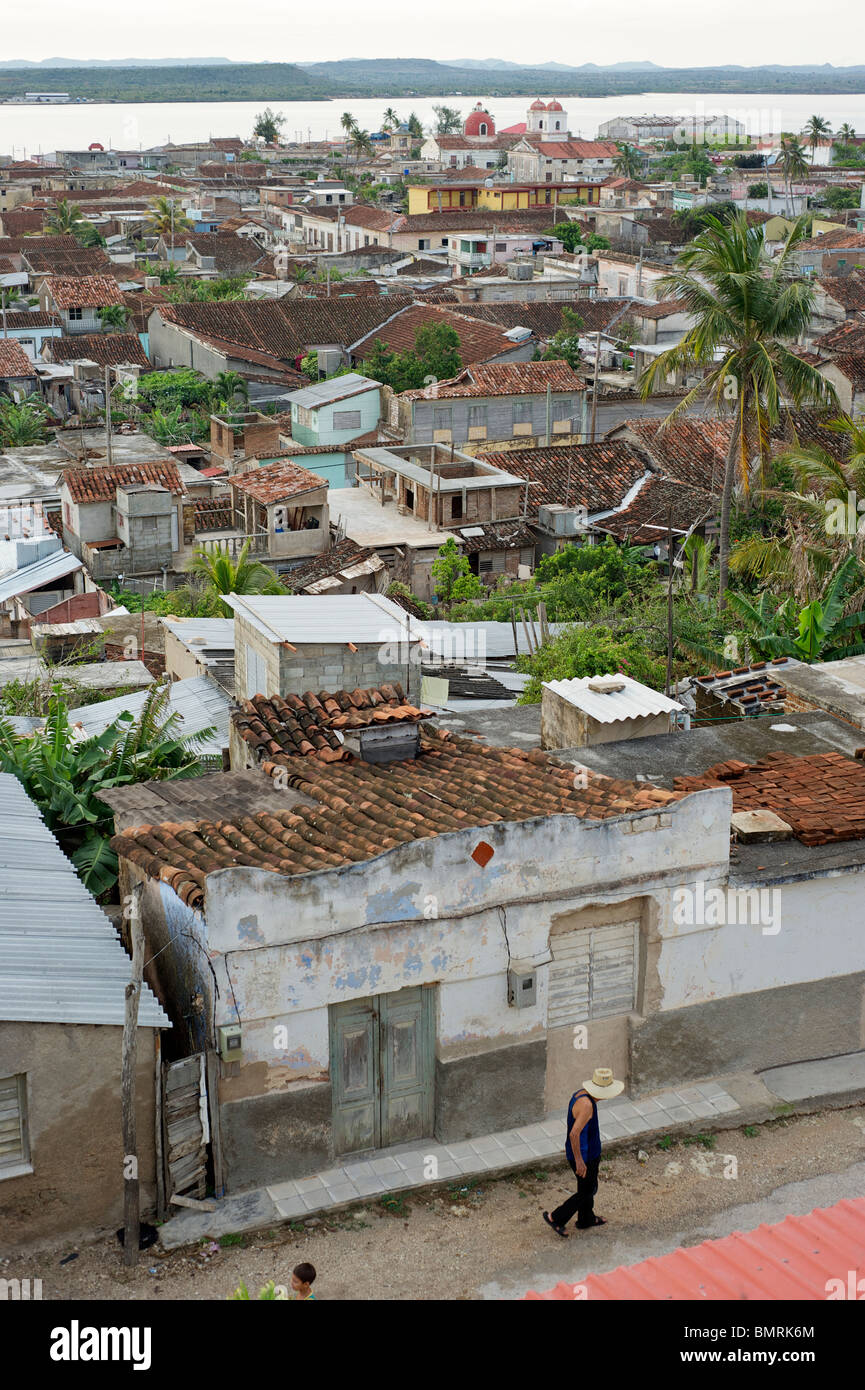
column 583, row 1200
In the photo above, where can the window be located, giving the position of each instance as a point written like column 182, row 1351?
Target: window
column 423, row 244
column 562, row 409
column 14, row 1139
column 482, row 128
column 477, row 417
column 346, row 419
column 485, row 566
column 149, row 524
column 593, row 973
column 522, row 412
column 501, row 246
column 456, row 508
column 75, row 313
column 442, row 417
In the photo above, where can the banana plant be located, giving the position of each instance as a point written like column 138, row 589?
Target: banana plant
column 819, row 631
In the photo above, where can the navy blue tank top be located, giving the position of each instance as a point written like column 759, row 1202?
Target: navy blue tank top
column 590, row 1135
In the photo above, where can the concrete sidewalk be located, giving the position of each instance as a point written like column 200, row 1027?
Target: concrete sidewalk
column 746, row 1098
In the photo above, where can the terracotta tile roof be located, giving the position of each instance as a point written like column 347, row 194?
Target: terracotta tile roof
column 822, row 797
column 14, row 361
column 852, row 365
column 83, row 291
column 19, row 221
column 340, row 557
column 22, row 319
column 502, row 141
column 364, row 811
column 17, row 244
column 663, row 309
column 284, row 329
column 846, row 290
column 849, row 335
column 457, row 220
column 275, row 482
column 659, row 503
column 545, row 317
column 597, row 476
column 436, row 296
column 841, row 240
column 498, row 535
column 577, row 149
column 101, row 484
column 478, row 341
column 232, row 254
column 690, row 450
column 280, row 731
column 503, row 379
column 62, row 261
column 108, row 349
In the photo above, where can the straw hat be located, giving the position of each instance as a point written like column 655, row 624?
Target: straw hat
column 602, row 1086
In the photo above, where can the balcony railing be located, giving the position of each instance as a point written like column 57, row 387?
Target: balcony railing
column 234, row 544
column 473, row 260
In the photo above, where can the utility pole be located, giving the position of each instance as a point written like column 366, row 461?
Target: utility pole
column 549, row 417
column 107, row 390
column 129, row 1058
column 3, row 298
column 595, row 383
column 669, row 685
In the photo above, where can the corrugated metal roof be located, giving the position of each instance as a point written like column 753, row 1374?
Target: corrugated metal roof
column 299, row 618
column 794, row 1259
column 198, row 700
column 204, row 635
column 33, row 576
column 61, row 961
column 477, row 642
column 337, row 389
column 634, row 702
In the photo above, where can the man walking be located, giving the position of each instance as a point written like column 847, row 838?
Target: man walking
column 583, row 1151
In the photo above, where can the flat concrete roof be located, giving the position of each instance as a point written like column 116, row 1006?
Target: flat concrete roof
column 367, row 523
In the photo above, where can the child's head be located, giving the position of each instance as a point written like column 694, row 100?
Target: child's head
column 303, row 1278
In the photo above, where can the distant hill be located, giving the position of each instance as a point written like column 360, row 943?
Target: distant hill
column 116, row 63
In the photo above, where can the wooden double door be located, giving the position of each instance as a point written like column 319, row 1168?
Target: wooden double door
column 382, row 1060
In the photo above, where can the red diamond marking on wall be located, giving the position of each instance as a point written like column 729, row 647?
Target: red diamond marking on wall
column 482, row 853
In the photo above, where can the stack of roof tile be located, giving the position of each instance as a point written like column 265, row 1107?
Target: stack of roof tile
column 822, row 797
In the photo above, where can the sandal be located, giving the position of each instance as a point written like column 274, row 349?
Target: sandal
column 598, row 1221
column 559, row 1230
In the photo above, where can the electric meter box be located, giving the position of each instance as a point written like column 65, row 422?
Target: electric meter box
column 231, row 1042
column 522, row 988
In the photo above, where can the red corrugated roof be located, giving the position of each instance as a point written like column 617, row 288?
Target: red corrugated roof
column 794, row 1259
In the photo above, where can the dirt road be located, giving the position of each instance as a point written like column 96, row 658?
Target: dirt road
column 487, row 1240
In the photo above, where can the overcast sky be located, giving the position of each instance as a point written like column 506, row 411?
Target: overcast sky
column 668, row 32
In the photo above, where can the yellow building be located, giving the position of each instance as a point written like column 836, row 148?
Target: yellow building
column 509, row 197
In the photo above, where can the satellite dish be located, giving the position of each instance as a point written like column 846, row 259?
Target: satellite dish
column 488, row 183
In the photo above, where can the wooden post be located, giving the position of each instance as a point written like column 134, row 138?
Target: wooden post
column 595, row 384
column 669, row 602
column 131, row 1195
column 160, row 1155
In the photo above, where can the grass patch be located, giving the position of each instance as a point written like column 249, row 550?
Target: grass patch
column 233, row 1238
column 665, row 1143
column 750, row 1131
column 707, row 1141
column 394, row 1202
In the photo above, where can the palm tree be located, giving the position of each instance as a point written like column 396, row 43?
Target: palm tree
column 349, row 125
column 361, row 143
column 846, row 134
column 821, row 631
column 221, row 574
column 793, row 164
column 628, row 162
column 114, row 316
column 390, row 120
column 228, row 387
column 167, row 217
column 822, row 529
column 745, row 310
column 64, row 218
column 22, row 423
column 816, row 129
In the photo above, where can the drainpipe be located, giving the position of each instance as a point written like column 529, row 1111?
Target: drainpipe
column 549, row 417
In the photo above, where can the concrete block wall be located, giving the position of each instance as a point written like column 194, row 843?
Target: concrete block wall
column 334, row 666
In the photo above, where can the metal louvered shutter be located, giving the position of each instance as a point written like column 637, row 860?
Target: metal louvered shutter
column 13, row 1139
column 593, row 973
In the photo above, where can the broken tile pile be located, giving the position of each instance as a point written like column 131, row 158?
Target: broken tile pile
column 822, row 797
column 743, row 691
